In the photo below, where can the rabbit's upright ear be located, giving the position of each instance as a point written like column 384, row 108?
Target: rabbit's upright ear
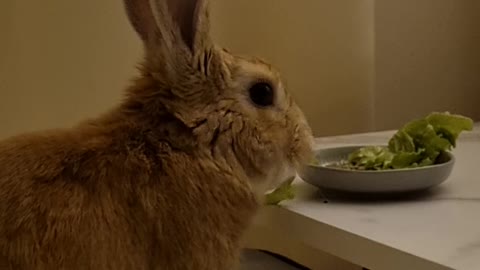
column 167, row 26
column 192, row 18
column 142, row 19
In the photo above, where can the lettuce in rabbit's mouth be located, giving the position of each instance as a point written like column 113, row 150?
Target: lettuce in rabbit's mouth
column 285, row 191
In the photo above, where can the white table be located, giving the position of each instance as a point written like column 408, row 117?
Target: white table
column 437, row 231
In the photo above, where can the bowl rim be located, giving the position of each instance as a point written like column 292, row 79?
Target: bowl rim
column 450, row 155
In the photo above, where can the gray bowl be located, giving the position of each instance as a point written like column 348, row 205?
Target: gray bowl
column 387, row 181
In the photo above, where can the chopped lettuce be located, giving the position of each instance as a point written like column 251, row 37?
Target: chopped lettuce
column 284, row 191
column 371, row 158
column 418, row 143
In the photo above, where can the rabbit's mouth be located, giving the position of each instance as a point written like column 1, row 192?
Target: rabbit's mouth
column 285, row 161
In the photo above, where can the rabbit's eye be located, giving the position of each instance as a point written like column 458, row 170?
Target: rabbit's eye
column 261, row 94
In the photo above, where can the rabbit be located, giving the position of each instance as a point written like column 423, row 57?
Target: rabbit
column 170, row 177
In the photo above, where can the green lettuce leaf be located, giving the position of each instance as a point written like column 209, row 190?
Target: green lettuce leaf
column 449, row 126
column 406, row 159
column 401, row 141
column 285, row 191
column 418, row 143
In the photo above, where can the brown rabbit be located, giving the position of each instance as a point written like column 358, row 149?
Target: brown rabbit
column 170, row 178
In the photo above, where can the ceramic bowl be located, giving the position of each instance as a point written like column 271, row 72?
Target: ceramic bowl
column 388, row 181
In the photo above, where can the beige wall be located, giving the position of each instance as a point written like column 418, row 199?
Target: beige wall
column 323, row 48
column 61, row 61
column 427, row 59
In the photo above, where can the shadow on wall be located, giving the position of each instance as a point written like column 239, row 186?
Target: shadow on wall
column 427, row 59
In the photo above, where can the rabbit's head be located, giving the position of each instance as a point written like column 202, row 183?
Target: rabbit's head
column 237, row 107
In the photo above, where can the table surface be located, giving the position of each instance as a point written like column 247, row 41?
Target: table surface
column 438, row 230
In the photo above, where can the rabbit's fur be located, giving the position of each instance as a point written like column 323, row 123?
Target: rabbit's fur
column 170, row 178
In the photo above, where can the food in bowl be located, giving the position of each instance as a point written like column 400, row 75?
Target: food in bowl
column 419, row 143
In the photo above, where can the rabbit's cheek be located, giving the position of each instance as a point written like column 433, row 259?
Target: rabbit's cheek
column 284, row 172
column 277, row 175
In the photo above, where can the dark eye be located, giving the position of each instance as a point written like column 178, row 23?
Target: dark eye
column 261, row 94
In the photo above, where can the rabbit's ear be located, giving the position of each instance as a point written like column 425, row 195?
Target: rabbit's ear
column 167, row 24
column 191, row 17
column 142, row 19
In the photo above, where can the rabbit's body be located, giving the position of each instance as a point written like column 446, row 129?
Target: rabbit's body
column 169, row 179
column 116, row 196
